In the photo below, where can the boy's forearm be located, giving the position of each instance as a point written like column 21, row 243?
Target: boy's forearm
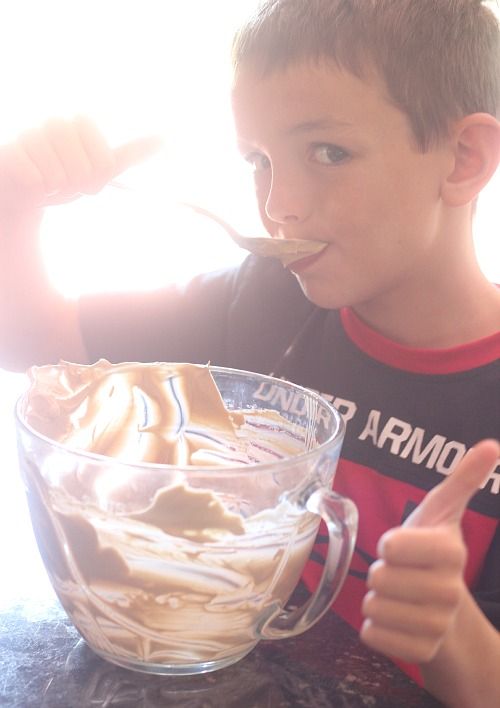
column 37, row 324
column 465, row 673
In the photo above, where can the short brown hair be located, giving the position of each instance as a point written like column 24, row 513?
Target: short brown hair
column 440, row 59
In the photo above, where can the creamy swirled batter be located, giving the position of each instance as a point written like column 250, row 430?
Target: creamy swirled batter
column 154, row 564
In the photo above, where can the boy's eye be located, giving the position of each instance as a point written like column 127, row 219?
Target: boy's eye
column 328, row 154
column 258, row 161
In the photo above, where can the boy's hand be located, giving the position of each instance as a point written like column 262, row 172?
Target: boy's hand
column 417, row 585
column 62, row 160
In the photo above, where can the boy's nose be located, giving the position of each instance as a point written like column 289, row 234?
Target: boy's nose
column 287, row 200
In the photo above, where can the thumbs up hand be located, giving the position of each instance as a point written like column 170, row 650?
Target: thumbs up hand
column 416, row 586
column 61, row 161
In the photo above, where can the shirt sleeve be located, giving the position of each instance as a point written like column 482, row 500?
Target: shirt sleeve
column 243, row 318
column 178, row 323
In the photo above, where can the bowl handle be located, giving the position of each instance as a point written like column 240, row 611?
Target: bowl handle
column 341, row 517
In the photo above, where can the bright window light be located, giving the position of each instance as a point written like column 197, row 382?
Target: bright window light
column 140, row 68
column 153, row 67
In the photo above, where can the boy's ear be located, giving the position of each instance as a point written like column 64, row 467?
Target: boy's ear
column 476, row 146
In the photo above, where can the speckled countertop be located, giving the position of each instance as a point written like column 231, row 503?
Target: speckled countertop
column 43, row 663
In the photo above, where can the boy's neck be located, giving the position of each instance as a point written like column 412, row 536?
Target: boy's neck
column 460, row 307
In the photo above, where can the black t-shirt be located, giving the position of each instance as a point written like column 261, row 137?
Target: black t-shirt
column 410, row 414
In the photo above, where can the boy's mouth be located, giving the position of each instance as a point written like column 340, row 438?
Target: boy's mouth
column 299, row 266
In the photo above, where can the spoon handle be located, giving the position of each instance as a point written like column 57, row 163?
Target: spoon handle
column 287, row 250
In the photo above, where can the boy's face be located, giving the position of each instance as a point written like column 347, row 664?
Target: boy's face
column 335, row 161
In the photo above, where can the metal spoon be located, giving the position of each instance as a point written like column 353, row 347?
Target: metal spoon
column 287, row 250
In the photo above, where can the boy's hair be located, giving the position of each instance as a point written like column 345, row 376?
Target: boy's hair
column 439, row 59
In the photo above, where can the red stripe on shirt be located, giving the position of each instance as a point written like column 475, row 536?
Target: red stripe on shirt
column 420, row 361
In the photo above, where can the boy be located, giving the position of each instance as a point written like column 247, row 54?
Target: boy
column 371, row 125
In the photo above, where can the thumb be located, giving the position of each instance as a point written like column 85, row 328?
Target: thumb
column 446, row 503
column 135, row 151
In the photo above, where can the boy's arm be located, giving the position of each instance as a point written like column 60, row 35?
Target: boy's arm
column 37, row 324
column 53, row 165
column 418, row 607
column 464, row 671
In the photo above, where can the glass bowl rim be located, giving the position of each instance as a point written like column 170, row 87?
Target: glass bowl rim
column 217, row 471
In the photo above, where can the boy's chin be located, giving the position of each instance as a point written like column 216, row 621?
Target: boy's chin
column 324, row 295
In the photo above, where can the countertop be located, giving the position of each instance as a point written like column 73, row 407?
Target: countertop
column 43, row 662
